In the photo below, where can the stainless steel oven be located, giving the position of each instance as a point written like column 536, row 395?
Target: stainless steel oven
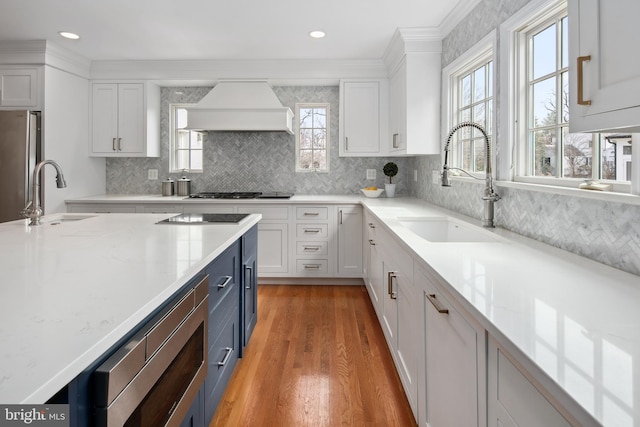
column 153, row 379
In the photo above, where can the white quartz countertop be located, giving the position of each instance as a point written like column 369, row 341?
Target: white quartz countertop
column 70, row 290
column 576, row 320
column 157, row 198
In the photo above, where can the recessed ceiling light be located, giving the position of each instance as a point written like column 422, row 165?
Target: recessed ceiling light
column 68, row 35
column 317, row 34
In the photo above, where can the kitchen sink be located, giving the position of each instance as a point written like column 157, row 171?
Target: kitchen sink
column 443, row 229
column 59, row 219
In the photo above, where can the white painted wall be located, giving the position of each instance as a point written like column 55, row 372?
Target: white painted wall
column 65, row 132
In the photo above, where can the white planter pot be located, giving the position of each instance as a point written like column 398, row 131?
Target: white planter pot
column 390, row 190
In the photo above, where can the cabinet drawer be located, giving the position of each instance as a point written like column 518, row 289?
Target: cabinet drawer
column 162, row 208
column 224, row 275
column 223, row 356
column 313, row 213
column 312, row 248
column 312, row 266
column 268, row 212
column 206, row 208
column 312, row 230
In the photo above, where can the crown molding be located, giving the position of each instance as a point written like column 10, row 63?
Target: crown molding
column 43, row 52
column 411, row 40
column 277, row 72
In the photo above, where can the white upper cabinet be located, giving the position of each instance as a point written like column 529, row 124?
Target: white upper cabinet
column 125, row 120
column 20, row 87
column 604, row 65
column 414, row 65
column 363, row 117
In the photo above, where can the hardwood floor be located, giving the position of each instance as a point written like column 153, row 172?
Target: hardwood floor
column 317, row 357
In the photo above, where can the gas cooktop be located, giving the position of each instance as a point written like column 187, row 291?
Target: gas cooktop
column 241, row 195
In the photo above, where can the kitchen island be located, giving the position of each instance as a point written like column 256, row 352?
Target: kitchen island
column 75, row 286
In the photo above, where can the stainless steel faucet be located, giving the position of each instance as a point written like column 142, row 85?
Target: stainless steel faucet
column 489, row 197
column 33, row 210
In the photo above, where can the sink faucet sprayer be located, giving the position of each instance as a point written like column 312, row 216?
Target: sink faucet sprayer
column 489, row 195
column 33, row 210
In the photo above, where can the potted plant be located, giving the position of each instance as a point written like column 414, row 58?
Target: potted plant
column 390, row 169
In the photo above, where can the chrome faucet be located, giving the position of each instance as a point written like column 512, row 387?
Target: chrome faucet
column 489, row 197
column 33, row 210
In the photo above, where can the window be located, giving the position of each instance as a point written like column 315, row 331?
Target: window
column 186, row 145
column 312, row 138
column 468, row 91
column 547, row 152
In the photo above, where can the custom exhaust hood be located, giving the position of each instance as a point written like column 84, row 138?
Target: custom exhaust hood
column 237, row 105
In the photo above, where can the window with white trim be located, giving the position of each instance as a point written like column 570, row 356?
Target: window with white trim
column 469, row 97
column 312, row 137
column 186, row 146
column 547, row 152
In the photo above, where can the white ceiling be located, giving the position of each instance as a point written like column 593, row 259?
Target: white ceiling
column 215, row 29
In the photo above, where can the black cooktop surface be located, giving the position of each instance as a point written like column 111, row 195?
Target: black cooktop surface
column 205, row 218
column 241, row 195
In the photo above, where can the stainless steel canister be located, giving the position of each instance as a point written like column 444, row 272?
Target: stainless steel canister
column 184, row 186
column 167, row 187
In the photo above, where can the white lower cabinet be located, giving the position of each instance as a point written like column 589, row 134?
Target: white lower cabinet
column 273, row 238
column 101, row 208
column 399, row 311
column 349, row 240
column 513, row 401
column 454, row 361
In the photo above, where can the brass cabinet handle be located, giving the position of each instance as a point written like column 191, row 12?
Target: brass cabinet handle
column 226, row 282
column 436, row 304
column 229, row 350
column 581, row 61
column 390, row 276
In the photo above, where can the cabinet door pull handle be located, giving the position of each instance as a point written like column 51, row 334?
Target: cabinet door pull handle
column 346, row 143
column 250, row 270
column 119, row 144
column 312, row 248
column 340, row 216
column 113, row 144
column 228, row 350
column 390, row 276
column 312, row 230
column 371, row 242
column 395, row 140
column 312, row 266
column 581, row 61
column 226, row 282
column 311, row 213
column 436, row 304
column 371, row 225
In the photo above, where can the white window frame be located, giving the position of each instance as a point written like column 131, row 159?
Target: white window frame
column 298, row 106
column 173, row 130
column 513, row 99
column 482, row 52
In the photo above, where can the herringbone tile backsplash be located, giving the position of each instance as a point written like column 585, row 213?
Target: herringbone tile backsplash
column 605, row 232
column 255, row 161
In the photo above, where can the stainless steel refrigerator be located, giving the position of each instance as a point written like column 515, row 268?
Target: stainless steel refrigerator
column 20, row 151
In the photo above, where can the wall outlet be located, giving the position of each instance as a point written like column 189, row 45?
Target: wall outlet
column 435, row 177
column 153, row 173
column 371, row 174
